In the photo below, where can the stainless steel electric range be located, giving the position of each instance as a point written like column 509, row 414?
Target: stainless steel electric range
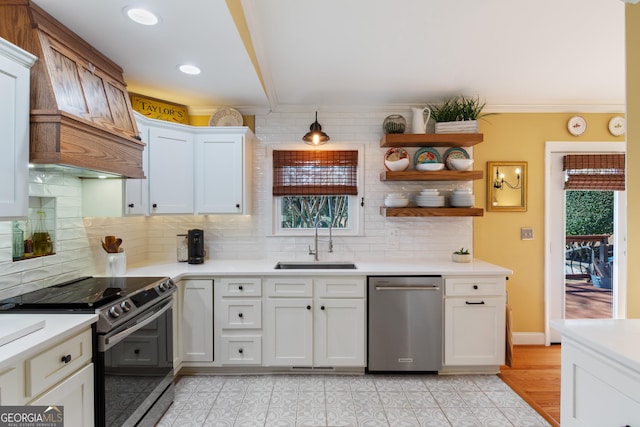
column 133, row 341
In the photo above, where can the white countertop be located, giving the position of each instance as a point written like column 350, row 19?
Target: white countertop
column 616, row 339
column 57, row 327
column 178, row 270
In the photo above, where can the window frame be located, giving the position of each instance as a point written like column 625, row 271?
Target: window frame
column 356, row 211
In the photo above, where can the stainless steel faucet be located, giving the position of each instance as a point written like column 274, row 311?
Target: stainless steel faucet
column 314, row 252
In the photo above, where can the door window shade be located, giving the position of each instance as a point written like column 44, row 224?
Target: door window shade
column 594, row 172
column 315, row 173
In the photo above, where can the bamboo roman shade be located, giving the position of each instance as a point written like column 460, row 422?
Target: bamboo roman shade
column 315, row 173
column 594, row 172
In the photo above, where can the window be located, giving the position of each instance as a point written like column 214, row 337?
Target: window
column 315, row 186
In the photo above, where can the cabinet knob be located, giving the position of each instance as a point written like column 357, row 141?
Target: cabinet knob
column 240, row 315
column 308, row 307
column 322, row 307
column 240, row 287
column 155, row 205
column 136, row 351
column 131, row 205
column 238, row 205
column 240, row 351
column 475, row 286
column 66, row 359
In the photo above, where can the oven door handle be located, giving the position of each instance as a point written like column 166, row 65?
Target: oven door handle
column 110, row 341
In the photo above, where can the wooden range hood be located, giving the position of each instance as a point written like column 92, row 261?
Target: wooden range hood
column 81, row 114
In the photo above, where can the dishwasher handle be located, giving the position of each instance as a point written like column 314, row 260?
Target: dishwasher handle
column 408, row 288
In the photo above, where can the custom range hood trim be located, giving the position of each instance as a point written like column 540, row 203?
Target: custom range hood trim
column 81, row 114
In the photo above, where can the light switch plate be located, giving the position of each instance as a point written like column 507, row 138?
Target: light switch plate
column 526, row 233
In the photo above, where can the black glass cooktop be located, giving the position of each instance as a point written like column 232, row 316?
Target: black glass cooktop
column 86, row 293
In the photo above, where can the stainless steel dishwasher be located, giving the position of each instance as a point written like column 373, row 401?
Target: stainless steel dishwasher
column 404, row 323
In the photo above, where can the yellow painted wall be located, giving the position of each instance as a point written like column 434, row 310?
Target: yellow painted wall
column 522, row 137
column 632, row 13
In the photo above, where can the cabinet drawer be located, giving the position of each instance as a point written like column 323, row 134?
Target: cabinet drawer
column 241, row 314
column 289, row 287
column 347, row 287
column 241, row 350
column 57, row 363
column 239, row 287
column 12, row 385
column 137, row 350
column 474, row 286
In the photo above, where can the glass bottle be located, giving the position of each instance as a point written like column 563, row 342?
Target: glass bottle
column 18, row 241
column 41, row 238
column 28, row 240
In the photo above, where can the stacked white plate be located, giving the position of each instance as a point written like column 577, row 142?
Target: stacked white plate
column 429, row 198
column 462, row 198
column 395, row 200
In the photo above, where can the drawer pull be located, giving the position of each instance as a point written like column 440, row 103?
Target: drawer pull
column 240, row 351
column 474, row 303
column 136, row 351
column 240, row 287
column 240, row 315
column 475, row 286
column 322, row 307
column 66, row 359
column 308, row 307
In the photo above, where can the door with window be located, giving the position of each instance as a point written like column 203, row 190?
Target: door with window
column 565, row 175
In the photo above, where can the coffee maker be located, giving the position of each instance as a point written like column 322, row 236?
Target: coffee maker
column 195, row 246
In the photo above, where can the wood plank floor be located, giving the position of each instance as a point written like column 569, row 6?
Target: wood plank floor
column 535, row 375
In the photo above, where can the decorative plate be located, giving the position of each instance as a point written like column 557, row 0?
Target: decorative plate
column 226, row 117
column 454, row 153
column 617, row 126
column 396, row 159
column 426, row 155
column 577, row 125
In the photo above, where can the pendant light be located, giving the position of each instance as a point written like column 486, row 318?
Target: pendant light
column 315, row 136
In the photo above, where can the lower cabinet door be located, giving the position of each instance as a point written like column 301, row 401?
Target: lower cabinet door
column 75, row 394
column 197, row 320
column 12, row 385
column 339, row 332
column 288, row 332
column 474, row 331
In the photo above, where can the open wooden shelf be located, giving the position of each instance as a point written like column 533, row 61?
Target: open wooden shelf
column 433, row 212
column 431, row 139
column 443, row 175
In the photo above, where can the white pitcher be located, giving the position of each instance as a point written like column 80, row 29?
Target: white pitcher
column 420, row 119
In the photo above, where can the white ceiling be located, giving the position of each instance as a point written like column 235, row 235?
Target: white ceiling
column 544, row 55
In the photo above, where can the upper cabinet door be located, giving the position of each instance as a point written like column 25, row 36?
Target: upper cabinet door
column 223, row 172
column 14, row 122
column 170, row 171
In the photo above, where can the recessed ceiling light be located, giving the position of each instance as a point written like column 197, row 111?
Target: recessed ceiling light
column 189, row 69
column 141, row 16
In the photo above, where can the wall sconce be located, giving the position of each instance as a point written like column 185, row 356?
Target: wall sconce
column 500, row 182
column 315, row 136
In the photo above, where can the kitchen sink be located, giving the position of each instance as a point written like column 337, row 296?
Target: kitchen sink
column 318, row 265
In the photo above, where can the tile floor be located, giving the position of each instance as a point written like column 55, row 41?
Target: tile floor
column 337, row 400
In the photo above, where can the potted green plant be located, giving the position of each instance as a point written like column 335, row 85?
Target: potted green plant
column 461, row 255
column 458, row 114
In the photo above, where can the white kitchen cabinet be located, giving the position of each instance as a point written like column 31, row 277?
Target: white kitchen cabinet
column 15, row 64
column 474, row 321
column 223, row 170
column 597, row 390
column 197, row 320
column 171, row 165
column 136, row 199
column 315, row 322
column 12, row 385
column 238, row 320
column 177, row 314
column 75, row 394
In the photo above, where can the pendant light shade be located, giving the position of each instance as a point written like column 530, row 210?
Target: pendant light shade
column 315, row 136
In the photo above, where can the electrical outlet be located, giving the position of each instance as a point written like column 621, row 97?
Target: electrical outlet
column 393, row 233
column 526, row 233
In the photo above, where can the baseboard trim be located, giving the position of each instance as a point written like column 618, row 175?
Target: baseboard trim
column 528, row 338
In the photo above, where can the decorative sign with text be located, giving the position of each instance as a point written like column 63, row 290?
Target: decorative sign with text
column 158, row 109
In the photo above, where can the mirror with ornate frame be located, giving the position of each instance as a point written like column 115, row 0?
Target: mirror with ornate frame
column 507, row 186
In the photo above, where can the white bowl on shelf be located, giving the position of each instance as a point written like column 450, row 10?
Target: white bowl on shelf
column 396, row 202
column 461, row 164
column 429, row 166
column 397, row 165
